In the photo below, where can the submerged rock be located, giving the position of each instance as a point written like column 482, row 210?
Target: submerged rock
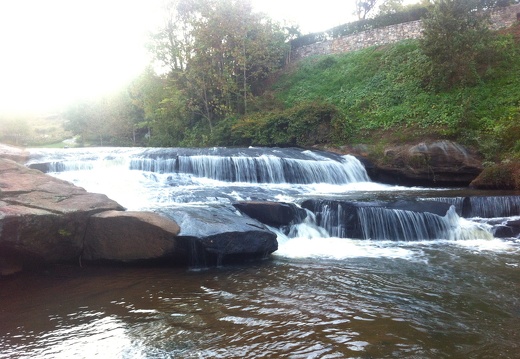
column 509, row 229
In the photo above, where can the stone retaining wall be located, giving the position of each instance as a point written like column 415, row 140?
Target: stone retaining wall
column 503, row 17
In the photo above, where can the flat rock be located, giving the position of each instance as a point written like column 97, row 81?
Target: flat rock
column 130, row 236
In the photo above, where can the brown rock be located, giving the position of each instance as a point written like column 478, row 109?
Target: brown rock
column 13, row 153
column 129, row 236
column 441, row 163
column 42, row 219
column 503, row 176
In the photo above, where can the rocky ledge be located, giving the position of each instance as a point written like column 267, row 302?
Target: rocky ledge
column 431, row 164
column 44, row 220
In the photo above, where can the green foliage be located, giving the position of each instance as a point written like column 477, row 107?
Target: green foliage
column 376, row 95
column 105, row 121
column 305, row 125
column 219, row 51
column 14, row 130
column 381, row 92
column 457, row 42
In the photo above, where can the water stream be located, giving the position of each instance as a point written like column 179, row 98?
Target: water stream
column 417, row 285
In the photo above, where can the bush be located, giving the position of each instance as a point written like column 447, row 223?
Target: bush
column 304, row 125
column 457, row 41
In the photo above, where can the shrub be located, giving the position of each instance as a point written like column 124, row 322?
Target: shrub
column 457, row 41
column 305, row 125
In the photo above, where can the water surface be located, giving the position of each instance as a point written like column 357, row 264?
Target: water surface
column 318, row 296
column 400, row 300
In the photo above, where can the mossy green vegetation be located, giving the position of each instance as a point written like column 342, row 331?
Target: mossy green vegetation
column 382, row 93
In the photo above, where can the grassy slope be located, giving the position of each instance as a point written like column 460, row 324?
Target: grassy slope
column 381, row 93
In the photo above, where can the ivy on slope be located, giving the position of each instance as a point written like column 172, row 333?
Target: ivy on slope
column 385, row 89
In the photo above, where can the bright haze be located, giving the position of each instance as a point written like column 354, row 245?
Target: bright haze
column 55, row 52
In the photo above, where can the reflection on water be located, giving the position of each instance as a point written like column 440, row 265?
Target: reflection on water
column 400, row 300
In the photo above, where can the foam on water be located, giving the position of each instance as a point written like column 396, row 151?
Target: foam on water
column 345, row 248
column 341, row 248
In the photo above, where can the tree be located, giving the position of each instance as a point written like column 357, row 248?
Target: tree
column 108, row 120
column 456, row 39
column 391, row 7
column 14, row 130
column 171, row 44
column 123, row 117
column 363, row 7
column 227, row 50
column 162, row 107
column 78, row 118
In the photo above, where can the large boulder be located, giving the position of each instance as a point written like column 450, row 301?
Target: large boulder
column 215, row 235
column 42, row 219
column 130, row 236
column 502, row 176
column 441, row 163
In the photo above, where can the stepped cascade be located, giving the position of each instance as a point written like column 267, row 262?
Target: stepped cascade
column 335, row 189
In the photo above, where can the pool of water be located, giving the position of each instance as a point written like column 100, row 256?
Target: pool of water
column 439, row 299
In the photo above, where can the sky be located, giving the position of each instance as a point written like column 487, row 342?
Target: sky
column 55, row 52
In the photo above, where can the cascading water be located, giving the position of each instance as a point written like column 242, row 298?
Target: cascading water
column 492, row 206
column 172, row 177
column 389, row 221
column 261, row 169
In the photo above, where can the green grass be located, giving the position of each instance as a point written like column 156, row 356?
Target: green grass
column 383, row 90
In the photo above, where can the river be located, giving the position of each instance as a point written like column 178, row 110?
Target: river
column 317, row 296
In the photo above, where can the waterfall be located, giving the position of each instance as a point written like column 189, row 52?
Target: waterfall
column 241, row 165
column 261, row 169
column 458, row 202
column 394, row 224
column 161, row 177
column 401, row 220
column 492, row 206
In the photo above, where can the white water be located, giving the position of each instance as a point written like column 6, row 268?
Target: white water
column 156, row 184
